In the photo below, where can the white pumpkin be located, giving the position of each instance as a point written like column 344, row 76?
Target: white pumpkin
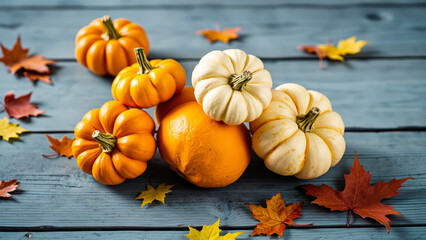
column 298, row 134
column 232, row 86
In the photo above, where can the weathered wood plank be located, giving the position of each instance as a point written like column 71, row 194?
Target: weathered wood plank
column 272, row 32
column 197, row 3
column 368, row 94
column 335, row 233
column 54, row 192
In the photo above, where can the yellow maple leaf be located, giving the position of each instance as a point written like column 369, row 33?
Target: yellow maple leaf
column 10, row 130
column 332, row 52
column 351, row 46
column 210, row 232
column 152, row 193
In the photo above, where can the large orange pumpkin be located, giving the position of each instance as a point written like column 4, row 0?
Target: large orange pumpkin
column 205, row 152
column 114, row 143
column 147, row 83
column 106, row 47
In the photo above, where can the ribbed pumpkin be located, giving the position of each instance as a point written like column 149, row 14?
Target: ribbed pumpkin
column 147, row 83
column 298, row 134
column 114, row 143
column 203, row 151
column 106, row 47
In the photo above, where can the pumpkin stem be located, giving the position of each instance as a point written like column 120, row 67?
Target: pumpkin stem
column 239, row 81
column 143, row 62
column 110, row 31
column 106, row 141
column 306, row 121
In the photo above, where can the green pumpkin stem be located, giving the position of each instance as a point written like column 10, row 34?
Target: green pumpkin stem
column 106, row 141
column 306, row 121
column 143, row 62
column 110, row 31
column 239, row 81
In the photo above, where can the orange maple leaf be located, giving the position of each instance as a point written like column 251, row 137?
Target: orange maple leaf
column 18, row 58
column 62, row 147
column 217, row 35
column 358, row 195
column 6, row 187
column 275, row 216
column 34, row 76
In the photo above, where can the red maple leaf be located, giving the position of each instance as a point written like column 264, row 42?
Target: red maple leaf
column 6, row 187
column 314, row 49
column 20, row 107
column 358, row 195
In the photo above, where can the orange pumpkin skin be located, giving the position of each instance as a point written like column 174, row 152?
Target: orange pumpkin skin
column 205, row 152
column 161, row 110
column 146, row 84
column 133, row 131
column 106, row 47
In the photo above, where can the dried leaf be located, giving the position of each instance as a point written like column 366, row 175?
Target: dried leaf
column 10, row 130
column 152, row 193
column 20, row 107
column 210, row 232
column 7, row 187
column 275, row 216
column 350, row 46
column 344, row 47
column 358, row 195
column 217, row 35
column 18, row 58
column 34, row 76
column 62, row 147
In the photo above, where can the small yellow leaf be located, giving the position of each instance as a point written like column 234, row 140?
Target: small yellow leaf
column 152, row 193
column 350, row 46
column 332, row 52
column 210, row 232
column 10, row 130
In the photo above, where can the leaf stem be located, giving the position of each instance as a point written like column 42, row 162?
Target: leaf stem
column 302, row 225
column 50, row 156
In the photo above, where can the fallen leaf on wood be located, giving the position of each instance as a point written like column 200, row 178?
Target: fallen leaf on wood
column 275, row 216
column 17, row 58
column 34, row 76
column 358, row 195
column 210, row 232
column 7, row 187
column 20, row 107
column 62, row 147
column 10, row 130
column 224, row 35
column 153, row 193
column 344, row 47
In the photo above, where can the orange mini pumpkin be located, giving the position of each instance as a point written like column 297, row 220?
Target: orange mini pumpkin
column 114, row 143
column 106, row 47
column 203, row 151
column 147, row 83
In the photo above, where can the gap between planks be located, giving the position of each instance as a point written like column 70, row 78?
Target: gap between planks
column 183, row 228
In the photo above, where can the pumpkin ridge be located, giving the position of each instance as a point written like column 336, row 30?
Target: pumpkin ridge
column 278, row 144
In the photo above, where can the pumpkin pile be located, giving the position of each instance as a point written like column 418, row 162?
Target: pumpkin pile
column 201, row 134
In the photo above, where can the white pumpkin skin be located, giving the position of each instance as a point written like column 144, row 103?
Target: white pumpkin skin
column 284, row 147
column 223, row 99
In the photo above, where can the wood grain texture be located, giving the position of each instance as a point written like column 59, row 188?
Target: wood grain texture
column 291, row 233
column 270, row 32
column 367, row 94
column 55, row 192
column 198, row 3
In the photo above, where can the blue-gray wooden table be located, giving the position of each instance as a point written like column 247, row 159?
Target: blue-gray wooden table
column 380, row 94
